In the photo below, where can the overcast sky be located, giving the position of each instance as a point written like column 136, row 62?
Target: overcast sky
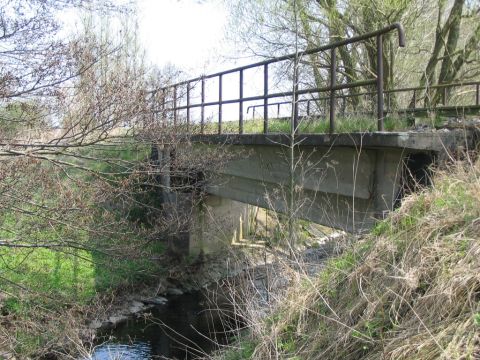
column 187, row 33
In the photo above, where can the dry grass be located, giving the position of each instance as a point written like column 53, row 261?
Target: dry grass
column 409, row 290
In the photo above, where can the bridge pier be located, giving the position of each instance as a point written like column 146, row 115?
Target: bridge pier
column 217, row 222
column 197, row 227
column 209, row 226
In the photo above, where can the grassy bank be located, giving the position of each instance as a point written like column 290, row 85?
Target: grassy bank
column 67, row 243
column 409, row 290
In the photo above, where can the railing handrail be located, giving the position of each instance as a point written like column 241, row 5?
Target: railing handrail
column 394, row 26
column 390, row 91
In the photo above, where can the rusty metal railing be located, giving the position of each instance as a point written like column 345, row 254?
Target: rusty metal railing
column 411, row 108
column 332, row 88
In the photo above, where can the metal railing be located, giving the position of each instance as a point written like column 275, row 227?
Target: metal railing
column 332, row 88
column 413, row 100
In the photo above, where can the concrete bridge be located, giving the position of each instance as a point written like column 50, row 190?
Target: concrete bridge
column 345, row 181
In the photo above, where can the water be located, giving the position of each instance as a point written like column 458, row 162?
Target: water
column 184, row 328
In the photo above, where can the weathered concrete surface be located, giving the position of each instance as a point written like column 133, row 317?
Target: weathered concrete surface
column 218, row 222
column 343, row 188
column 428, row 140
column 346, row 181
column 214, row 224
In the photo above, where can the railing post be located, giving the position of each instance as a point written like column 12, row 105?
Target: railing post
column 278, row 111
column 308, row 107
column 477, row 95
column 175, row 105
column 240, row 104
column 380, row 82
column 414, row 99
column 202, row 108
column 265, row 100
column 164, row 104
column 333, row 81
column 188, row 106
column 220, row 98
column 444, row 96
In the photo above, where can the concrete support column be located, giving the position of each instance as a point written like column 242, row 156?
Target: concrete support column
column 217, row 223
column 164, row 166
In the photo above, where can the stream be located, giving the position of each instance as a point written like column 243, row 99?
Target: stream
column 184, row 328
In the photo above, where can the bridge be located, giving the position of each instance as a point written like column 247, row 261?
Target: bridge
column 342, row 180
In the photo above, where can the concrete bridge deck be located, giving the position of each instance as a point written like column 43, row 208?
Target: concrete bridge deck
column 345, row 181
column 428, row 140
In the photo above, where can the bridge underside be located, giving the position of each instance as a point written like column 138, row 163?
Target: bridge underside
column 342, row 188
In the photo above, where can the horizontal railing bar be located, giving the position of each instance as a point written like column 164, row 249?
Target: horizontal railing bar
column 309, row 91
column 437, row 86
column 341, row 96
column 276, row 95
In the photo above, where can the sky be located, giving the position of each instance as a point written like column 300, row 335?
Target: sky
column 186, row 33
column 190, row 35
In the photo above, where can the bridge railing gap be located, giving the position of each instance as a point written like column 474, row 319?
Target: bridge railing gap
column 172, row 104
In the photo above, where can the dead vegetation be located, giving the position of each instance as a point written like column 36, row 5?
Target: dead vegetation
column 409, row 290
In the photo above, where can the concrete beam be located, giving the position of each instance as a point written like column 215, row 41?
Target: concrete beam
column 344, row 181
column 428, row 140
column 342, row 188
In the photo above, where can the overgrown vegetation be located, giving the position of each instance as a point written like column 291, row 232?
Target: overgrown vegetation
column 409, row 290
column 79, row 250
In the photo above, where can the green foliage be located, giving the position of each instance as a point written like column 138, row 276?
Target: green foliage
column 11, row 305
column 242, row 350
column 287, row 342
column 51, row 272
column 115, row 161
column 28, row 343
column 476, row 319
column 407, row 220
column 120, row 273
column 19, row 116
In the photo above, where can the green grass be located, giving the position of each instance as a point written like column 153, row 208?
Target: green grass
column 310, row 126
column 41, row 285
column 115, row 160
column 50, row 272
column 71, row 274
column 241, row 350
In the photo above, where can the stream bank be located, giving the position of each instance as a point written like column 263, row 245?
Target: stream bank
column 190, row 313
